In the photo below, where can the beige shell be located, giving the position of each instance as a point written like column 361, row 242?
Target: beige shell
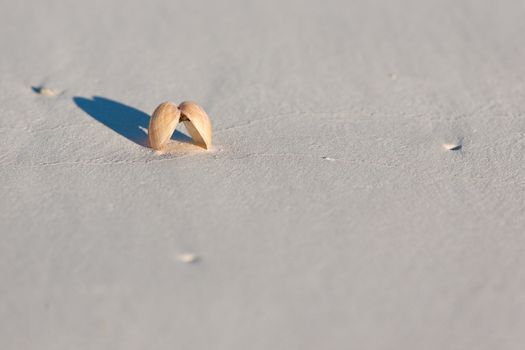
column 167, row 115
column 197, row 122
column 162, row 124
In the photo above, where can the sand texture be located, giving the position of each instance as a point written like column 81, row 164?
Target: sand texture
column 365, row 189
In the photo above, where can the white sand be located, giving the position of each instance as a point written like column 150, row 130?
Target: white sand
column 329, row 216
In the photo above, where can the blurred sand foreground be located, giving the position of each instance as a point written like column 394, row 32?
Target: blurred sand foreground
column 330, row 214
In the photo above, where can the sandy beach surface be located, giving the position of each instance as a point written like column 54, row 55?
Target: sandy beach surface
column 329, row 214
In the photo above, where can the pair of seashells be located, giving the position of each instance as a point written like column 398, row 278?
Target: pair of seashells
column 167, row 115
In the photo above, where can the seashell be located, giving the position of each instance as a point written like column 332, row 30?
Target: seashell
column 167, row 115
column 188, row 258
column 46, row 91
column 162, row 124
column 453, row 146
column 197, row 122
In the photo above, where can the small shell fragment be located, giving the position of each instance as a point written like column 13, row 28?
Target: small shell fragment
column 46, row 91
column 187, row 258
column 162, row 124
column 452, row 146
column 197, row 122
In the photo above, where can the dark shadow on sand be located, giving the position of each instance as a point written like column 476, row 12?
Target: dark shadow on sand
column 124, row 120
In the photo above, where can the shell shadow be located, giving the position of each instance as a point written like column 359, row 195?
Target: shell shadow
column 124, row 120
